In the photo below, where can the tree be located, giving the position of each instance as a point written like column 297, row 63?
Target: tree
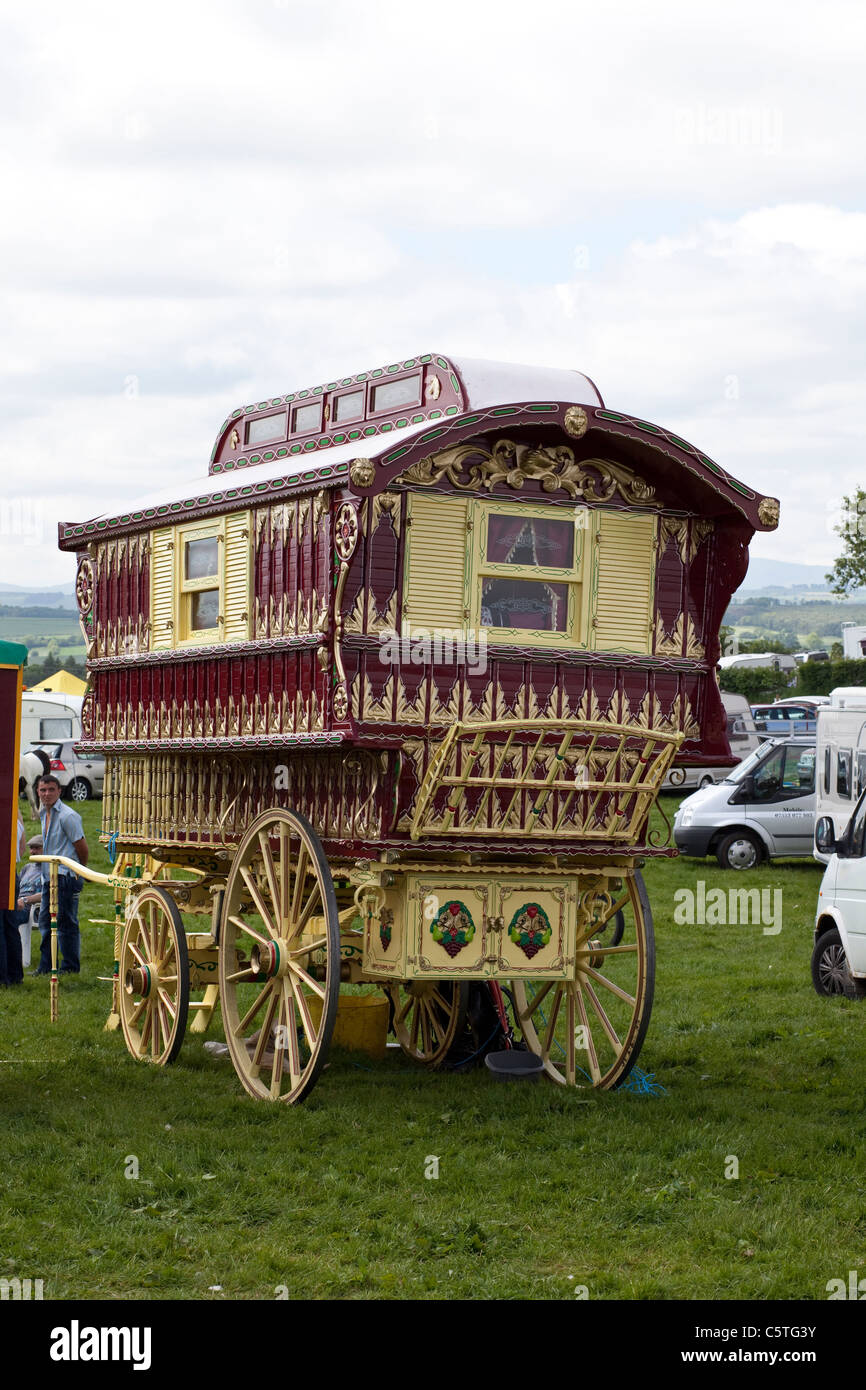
column 849, row 571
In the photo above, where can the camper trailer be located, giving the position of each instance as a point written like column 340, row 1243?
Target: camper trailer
column 841, row 760
column 743, row 737
column 49, row 715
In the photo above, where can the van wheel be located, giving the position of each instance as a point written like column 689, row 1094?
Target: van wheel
column 706, row 781
column 740, row 851
column 830, row 970
column 79, row 790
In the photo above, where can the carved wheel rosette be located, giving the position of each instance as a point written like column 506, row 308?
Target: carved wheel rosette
column 346, row 531
column 84, row 584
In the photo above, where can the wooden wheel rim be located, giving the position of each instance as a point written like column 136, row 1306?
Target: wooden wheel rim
column 561, row 1020
column 279, row 903
column 428, row 1016
column 154, row 974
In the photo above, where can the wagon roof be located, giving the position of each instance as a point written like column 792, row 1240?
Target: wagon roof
column 485, row 397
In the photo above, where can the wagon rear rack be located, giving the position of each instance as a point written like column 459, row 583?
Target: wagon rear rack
column 534, row 778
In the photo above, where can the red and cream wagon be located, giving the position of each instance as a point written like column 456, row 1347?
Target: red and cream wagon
column 388, row 697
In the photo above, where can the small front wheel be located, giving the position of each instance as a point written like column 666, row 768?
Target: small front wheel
column 154, row 978
column 831, row 973
column 741, row 850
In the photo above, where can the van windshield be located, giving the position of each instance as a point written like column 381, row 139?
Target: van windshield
column 749, row 764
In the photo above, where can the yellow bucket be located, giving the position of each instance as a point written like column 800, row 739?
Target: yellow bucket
column 362, row 1022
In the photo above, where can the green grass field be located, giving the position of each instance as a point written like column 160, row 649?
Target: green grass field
column 539, row 1190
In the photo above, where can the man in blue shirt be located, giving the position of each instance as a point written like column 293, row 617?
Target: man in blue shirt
column 62, row 833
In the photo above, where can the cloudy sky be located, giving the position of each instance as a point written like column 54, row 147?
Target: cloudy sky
column 212, row 203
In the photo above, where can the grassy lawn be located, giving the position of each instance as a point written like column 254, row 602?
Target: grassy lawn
column 539, row 1190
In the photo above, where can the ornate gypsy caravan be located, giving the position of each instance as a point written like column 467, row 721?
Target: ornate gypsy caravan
column 387, row 698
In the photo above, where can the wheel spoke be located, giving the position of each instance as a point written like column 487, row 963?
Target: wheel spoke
column 605, row 1021
column 608, row 984
column 249, row 931
column 307, row 912
column 307, row 979
column 306, row 1017
column 292, row 1032
column 595, row 1069
column 264, row 1034
column 167, row 1003
column 540, row 995
column 253, row 1010
column 267, row 857
column 551, row 1022
column 259, row 902
column 138, row 956
column 300, row 879
column 279, row 1044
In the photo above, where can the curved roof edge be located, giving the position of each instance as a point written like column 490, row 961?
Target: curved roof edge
column 394, row 452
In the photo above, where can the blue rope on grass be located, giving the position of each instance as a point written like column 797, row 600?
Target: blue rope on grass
column 642, row 1083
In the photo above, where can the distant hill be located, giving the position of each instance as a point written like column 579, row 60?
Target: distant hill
column 777, row 576
column 53, row 596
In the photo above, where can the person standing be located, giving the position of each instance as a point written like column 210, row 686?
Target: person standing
column 63, row 834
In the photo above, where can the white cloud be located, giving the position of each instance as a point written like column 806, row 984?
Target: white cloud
column 212, row 203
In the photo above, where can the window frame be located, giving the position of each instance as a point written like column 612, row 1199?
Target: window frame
column 575, row 577
column 187, row 635
column 375, row 414
column 278, row 438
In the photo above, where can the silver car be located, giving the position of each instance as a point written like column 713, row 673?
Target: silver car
column 80, row 778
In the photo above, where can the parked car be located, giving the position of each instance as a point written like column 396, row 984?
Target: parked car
column 742, row 736
column 786, row 717
column 839, row 954
column 764, row 809
column 79, row 778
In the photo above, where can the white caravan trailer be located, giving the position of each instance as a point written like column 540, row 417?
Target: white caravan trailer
column 47, row 714
column 841, row 757
column 742, row 736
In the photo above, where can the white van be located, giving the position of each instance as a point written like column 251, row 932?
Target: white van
column 841, row 762
column 742, row 736
column 839, row 955
column 764, row 809
column 47, row 715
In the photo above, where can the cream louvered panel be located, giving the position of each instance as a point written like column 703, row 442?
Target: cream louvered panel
column 435, row 594
column 237, row 590
column 626, row 581
column 162, row 589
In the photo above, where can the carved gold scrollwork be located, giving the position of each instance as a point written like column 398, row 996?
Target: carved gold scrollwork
column 472, row 467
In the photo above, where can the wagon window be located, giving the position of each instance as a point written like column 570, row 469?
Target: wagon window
column 201, row 558
column 349, row 407
column 267, row 427
column 200, row 584
column 392, row 394
column 827, row 766
column 306, row 418
column 516, row 540
column 528, row 572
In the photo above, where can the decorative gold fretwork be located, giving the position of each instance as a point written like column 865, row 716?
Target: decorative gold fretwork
column 471, row 467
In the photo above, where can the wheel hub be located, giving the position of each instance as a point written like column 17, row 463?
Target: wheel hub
column 270, row 959
column 139, row 980
column 742, row 854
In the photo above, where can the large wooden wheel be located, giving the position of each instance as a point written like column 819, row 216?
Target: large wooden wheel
column 428, row 1017
column 589, row 1029
column 279, row 958
column 154, row 978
